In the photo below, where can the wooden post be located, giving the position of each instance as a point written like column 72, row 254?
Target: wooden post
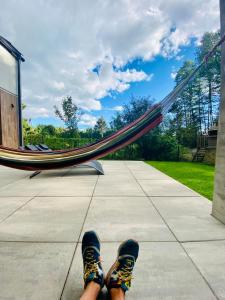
column 218, row 210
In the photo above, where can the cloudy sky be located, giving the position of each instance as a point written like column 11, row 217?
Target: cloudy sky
column 101, row 52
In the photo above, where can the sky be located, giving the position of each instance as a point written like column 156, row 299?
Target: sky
column 101, row 52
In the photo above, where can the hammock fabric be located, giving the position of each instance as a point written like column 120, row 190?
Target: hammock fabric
column 36, row 161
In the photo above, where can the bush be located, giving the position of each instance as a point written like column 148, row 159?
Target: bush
column 152, row 146
column 57, row 143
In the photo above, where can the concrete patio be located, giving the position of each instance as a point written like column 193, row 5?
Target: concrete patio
column 42, row 220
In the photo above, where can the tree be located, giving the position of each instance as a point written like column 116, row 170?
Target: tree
column 185, row 111
column 101, row 126
column 156, row 144
column 196, row 109
column 23, row 106
column 117, row 122
column 131, row 111
column 27, row 128
column 49, row 130
column 135, row 108
column 69, row 114
column 210, row 74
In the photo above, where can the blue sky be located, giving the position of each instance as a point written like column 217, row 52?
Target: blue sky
column 158, row 87
column 72, row 38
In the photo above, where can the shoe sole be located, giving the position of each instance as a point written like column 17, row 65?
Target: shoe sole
column 107, row 279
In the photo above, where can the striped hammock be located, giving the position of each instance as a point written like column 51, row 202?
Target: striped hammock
column 36, row 161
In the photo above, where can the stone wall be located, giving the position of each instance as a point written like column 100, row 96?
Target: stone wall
column 210, row 156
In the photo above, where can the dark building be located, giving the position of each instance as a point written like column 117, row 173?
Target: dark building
column 10, row 95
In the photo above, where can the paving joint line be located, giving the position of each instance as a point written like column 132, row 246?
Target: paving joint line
column 202, row 241
column 191, row 260
column 54, row 196
column 39, row 242
column 72, row 242
column 108, row 242
column 199, row 271
column 77, row 243
column 18, row 208
column 131, row 196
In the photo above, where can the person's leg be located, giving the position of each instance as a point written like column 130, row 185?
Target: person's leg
column 93, row 273
column 117, row 294
column 118, row 279
column 91, row 291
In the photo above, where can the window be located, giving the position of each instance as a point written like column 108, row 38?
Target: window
column 8, row 72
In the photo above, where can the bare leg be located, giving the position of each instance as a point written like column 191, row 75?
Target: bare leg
column 91, row 292
column 117, row 294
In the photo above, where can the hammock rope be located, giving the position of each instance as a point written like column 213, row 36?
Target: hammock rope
column 36, row 161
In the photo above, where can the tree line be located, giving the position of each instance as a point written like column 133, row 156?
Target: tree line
column 197, row 109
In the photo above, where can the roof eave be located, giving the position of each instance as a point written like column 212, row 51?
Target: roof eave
column 10, row 48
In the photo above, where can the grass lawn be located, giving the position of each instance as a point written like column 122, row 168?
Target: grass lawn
column 197, row 176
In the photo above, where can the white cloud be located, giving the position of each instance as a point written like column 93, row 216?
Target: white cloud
column 58, row 85
column 87, row 120
column 118, row 108
column 34, row 112
column 173, row 74
column 132, row 75
column 72, row 37
column 179, row 57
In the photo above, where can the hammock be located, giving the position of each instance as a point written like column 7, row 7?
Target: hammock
column 36, row 161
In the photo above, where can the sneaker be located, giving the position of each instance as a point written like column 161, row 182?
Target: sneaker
column 91, row 259
column 120, row 274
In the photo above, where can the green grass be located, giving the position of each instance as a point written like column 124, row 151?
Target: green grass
column 197, row 176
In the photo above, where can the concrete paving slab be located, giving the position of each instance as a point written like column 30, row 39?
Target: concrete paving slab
column 145, row 171
column 4, row 182
column 121, row 177
column 54, row 219
column 69, row 175
column 189, row 218
column 113, row 163
column 165, row 188
column 68, row 187
column 163, row 271
column 210, row 260
column 10, row 177
column 121, row 211
column 115, row 169
column 6, row 170
column 138, row 166
column 23, row 188
column 33, row 271
column 8, row 205
column 51, row 173
column 150, row 175
column 118, row 186
column 76, row 172
column 82, row 173
column 117, row 218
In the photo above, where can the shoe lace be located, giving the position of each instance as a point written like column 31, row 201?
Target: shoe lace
column 91, row 264
column 125, row 273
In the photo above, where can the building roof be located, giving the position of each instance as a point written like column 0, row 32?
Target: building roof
column 8, row 46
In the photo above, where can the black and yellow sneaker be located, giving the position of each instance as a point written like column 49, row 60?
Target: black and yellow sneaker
column 91, row 259
column 120, row 274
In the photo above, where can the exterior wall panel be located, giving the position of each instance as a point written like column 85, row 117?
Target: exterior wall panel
column 9, row 131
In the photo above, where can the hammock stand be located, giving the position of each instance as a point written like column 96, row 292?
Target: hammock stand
column 94, row 164
column 37, row 161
